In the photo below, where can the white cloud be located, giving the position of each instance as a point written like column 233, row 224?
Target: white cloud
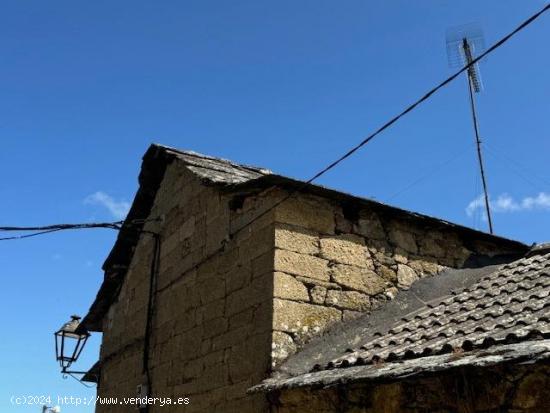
column 474, row 205
column 118, row 209
column 542, row 201
column 506, row 203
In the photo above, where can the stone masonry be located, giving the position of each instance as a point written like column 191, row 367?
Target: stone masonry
column 211, row 314
column 229, row 309
column 504, row 388
column 331, row 268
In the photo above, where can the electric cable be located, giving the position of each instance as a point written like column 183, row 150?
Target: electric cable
column 347, row 154
column 41, row 230
column 396, row 118
column 516, row 172
column 515, row 166
column 427, row 175
column 34, row 234
column 117, row 225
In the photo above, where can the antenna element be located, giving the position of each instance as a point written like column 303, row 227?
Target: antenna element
column 461, row 46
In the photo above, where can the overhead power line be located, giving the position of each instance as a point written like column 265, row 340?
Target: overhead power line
column 520, row 169
column 41, row 230
column 114, row 225
column 118, row 224
column 427, row 175
column 57, row 227
column 393, row 120
column 427, row 95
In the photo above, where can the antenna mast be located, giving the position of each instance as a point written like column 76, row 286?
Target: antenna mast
column 462, row 44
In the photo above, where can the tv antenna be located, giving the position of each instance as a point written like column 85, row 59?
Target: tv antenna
column 463, row 43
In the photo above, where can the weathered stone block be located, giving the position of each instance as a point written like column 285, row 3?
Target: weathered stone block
column 431, row 247
column 238, row 278
column 318, row 294
column 312, row 282
column 387, row 273
column 376, row 245
column 405, row 276
column 211, row 289
column 217, row 232
column 262, row 264
column 213, row 358
column 296, row 239
column 350, row 300
column 370, row 227
column 346, row 249
column 214, row 309
column 262, row 318
column 423, row 267
column 286, row 286
column 343, row 225
column 400, row 256
column 383, row 258
column 215, row 327
column 360, row 279
column 282, row 347
column 461, row 255
column 230, row 338
column 190, row 342
column 249, row 296
column 391, row 293
column 242, row 360
column 293, row 317
column 403, row 239
column 241, row 319
column 187, row 229
column 260, row 242
column 300, row 264
column 308, row 213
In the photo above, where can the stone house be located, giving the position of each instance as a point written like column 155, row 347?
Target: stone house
column 244, row 303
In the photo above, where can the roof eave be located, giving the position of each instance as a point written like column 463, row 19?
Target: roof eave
column 522, row 352
column 349, row 199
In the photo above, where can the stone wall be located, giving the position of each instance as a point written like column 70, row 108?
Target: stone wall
column 332, row 265
column 229, row 309
column 512, row 389
column 211, row 336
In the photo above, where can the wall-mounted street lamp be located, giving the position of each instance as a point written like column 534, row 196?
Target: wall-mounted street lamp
column 69, row 342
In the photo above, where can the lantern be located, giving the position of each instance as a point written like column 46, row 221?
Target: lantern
column 69, row 342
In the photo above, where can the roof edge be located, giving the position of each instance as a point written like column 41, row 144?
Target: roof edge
column 522, row 352
column 346, row 198
column 154, row 163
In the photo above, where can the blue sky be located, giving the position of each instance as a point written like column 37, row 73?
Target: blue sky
column 87, row 86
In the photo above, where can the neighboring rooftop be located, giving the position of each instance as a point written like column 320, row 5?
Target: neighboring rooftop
column 499, row 315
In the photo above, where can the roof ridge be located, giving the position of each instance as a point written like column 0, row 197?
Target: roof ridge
column 229, row 162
